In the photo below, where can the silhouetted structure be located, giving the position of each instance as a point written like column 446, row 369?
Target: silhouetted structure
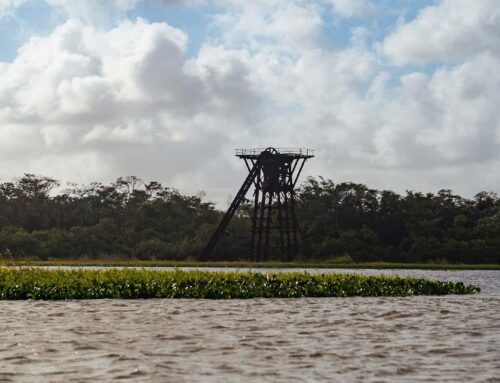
column 274, row 173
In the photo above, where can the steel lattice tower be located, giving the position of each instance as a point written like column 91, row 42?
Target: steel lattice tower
column 274, row 174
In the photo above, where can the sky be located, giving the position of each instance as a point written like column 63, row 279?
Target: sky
column 399, row 95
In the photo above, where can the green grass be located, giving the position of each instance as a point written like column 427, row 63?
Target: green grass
column 50, row 284
column 271, row 264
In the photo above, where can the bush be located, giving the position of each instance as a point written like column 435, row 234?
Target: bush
column 153, row 249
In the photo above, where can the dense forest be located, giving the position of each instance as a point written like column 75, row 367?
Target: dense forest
column 130, row 219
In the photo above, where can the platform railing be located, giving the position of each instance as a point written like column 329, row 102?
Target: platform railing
column 257, row 151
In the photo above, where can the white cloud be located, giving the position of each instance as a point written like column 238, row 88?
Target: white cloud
column 7, row 7
column 367, row 124
column 94, row 11
column 449, row 31
column 125, row 96
column 352, row 8
column 89, row 103
column 447, row 119
column 283, row 25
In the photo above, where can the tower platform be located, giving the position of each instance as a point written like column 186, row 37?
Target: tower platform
column 289, row 152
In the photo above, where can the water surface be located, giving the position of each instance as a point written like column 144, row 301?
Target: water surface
column 446, row 338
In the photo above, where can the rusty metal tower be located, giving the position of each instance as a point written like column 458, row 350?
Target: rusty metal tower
column 274, row 174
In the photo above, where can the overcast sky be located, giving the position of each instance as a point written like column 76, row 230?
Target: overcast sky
column 394, row 94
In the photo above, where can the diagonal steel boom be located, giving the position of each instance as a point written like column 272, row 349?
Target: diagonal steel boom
column 238, row 199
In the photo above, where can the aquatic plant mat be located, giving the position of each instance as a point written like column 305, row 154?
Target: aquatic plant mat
column 37, row 283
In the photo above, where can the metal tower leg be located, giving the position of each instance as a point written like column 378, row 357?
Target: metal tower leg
column 293, row 253
column 280, row 223
column 258, row 257
column 268, row 225
column 287, row 227
column 254, row 222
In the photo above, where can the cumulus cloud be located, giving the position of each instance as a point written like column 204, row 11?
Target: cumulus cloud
column 7, row 7
column 353, row 8
column 286, row 26
column 91, row 103
column 449, row 31
column 368, row 124
column 94, row 11
column 447, row 119
column 125, row 98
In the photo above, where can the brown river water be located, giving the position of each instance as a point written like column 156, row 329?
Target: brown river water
column 414, row 339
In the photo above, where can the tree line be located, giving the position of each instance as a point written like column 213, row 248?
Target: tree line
column 131, row 219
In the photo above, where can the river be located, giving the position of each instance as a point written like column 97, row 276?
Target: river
column 413, row 339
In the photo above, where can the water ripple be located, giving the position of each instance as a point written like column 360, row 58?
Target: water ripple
column 414, row 339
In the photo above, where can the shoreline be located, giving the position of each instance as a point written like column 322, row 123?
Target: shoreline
column 245, row 264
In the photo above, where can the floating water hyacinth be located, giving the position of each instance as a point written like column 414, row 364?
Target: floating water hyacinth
column 37, row 283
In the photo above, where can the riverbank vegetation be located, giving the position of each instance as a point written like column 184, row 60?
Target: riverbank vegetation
column 249, row 265
column 132, row 220
column 36, row 283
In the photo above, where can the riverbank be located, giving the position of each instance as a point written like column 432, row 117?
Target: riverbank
column 39, row 283
column 244, row 264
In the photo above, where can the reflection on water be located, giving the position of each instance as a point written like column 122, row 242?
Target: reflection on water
column 448, row 338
